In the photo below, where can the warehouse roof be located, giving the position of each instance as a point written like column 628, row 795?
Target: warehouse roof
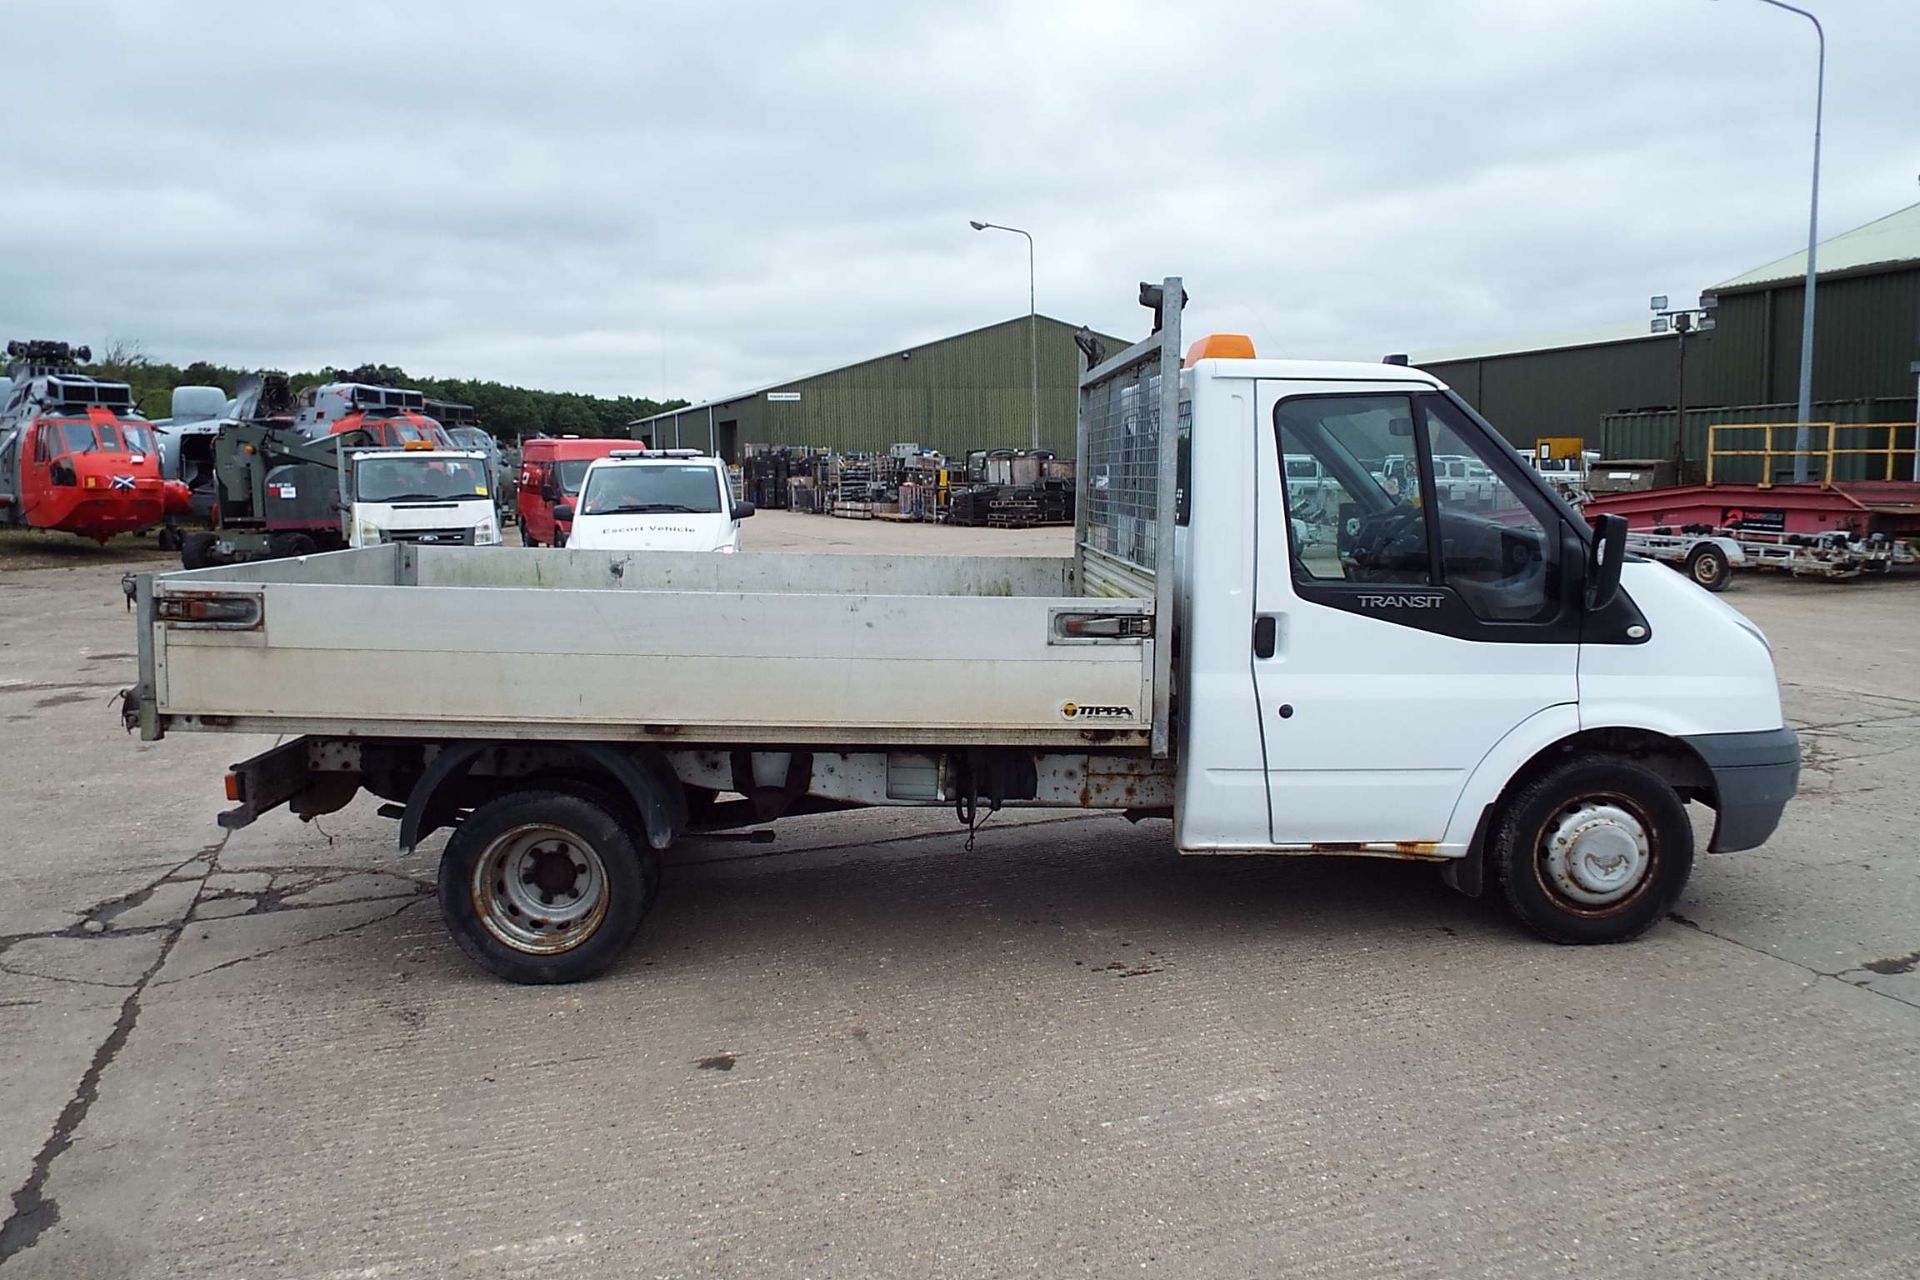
column 1603, row 335
column 1894, row 238
column 752, row 392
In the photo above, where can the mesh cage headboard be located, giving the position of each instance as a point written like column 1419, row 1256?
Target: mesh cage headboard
column 1126, row 472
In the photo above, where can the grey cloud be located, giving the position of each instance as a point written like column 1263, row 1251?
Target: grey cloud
column 564, row 195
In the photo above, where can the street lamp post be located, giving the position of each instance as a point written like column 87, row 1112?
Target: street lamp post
column 1803, row 437
column 1033, row 330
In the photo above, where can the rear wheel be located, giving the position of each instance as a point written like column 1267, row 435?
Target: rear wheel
column 1596, row 850
column 1707, row 565
column 545, row 886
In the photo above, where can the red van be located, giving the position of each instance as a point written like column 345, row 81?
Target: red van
column 551, row 468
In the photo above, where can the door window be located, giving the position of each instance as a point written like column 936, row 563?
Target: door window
column 1353, row 493
column 1495, row 550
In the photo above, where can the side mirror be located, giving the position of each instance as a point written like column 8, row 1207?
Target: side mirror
column 563, row 512
column 741, row 510
column 1603, row 560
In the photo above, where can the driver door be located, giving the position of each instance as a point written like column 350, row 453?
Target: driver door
column 1401, row 629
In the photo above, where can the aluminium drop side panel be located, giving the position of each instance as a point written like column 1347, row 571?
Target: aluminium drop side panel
column 669, row 665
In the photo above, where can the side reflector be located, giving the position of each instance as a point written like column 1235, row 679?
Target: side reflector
column 1220, row 346
column 233, row 787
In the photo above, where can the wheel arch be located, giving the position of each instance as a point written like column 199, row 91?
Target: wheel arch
column 1537, row 745
column 1672, row 758
column 640, row 776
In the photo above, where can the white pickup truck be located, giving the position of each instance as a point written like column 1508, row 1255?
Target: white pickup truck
column 1490, row 686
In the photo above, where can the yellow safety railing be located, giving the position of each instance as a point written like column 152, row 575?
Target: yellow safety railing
column 1826, row 452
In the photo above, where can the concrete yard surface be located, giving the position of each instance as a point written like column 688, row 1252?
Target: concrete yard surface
column 863, row 1050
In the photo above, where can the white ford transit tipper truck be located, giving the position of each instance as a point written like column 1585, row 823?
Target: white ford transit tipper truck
column 1489, row 685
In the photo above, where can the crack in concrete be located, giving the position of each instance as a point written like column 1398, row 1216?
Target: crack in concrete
column 341, row 932
column 269, row 901
column 1890, row 966
column 108, row 909
column 18, row 972
column 34, row 1211
column 1837, row 975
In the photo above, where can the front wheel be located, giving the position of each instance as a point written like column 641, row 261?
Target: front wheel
column 198, row 550
column 545, row 886
column 1595, row 850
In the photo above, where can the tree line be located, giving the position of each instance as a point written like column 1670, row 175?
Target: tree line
column 508, row 412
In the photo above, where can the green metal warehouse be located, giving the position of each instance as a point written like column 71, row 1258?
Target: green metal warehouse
column 969, row 391
column 1619, row 387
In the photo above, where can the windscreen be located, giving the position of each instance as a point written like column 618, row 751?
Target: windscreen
column 571, row 472
column 419, row 479
column 78, row 437
column 654, row 487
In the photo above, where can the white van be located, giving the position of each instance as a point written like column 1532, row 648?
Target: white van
column 665, row 500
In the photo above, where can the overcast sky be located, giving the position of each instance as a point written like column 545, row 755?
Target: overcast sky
column 684, row 199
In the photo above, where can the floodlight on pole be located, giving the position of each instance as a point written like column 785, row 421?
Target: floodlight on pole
column 1033, row 331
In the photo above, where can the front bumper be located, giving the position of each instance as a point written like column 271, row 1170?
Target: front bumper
column 1754, row 775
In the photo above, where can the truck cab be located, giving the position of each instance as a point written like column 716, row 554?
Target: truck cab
column 437, row 497
column 671, row 500
column 1450, row 636
column 551, row 469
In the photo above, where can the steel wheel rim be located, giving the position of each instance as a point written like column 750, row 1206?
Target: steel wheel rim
column 1597, row 854
column 1707, row 567
column 540, row 889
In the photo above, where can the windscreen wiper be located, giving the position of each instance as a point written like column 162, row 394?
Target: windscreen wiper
column 641, row 508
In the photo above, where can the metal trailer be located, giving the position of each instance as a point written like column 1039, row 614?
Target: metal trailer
column 1709, row 555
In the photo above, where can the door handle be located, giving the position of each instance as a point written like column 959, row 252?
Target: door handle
column 1264, row 630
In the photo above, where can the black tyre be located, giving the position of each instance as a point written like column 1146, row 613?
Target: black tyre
column 527, row 539
column 286, row 546
column 167, row 538
column 196, row 550
column 1707, row 565
column 1595, row 850
column 545, row 886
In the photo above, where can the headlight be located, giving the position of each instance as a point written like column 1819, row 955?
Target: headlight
column 370, row 534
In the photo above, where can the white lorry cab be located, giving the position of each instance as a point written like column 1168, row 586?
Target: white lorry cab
column 434, row 497
column 655, row 500
column 1479, row 680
